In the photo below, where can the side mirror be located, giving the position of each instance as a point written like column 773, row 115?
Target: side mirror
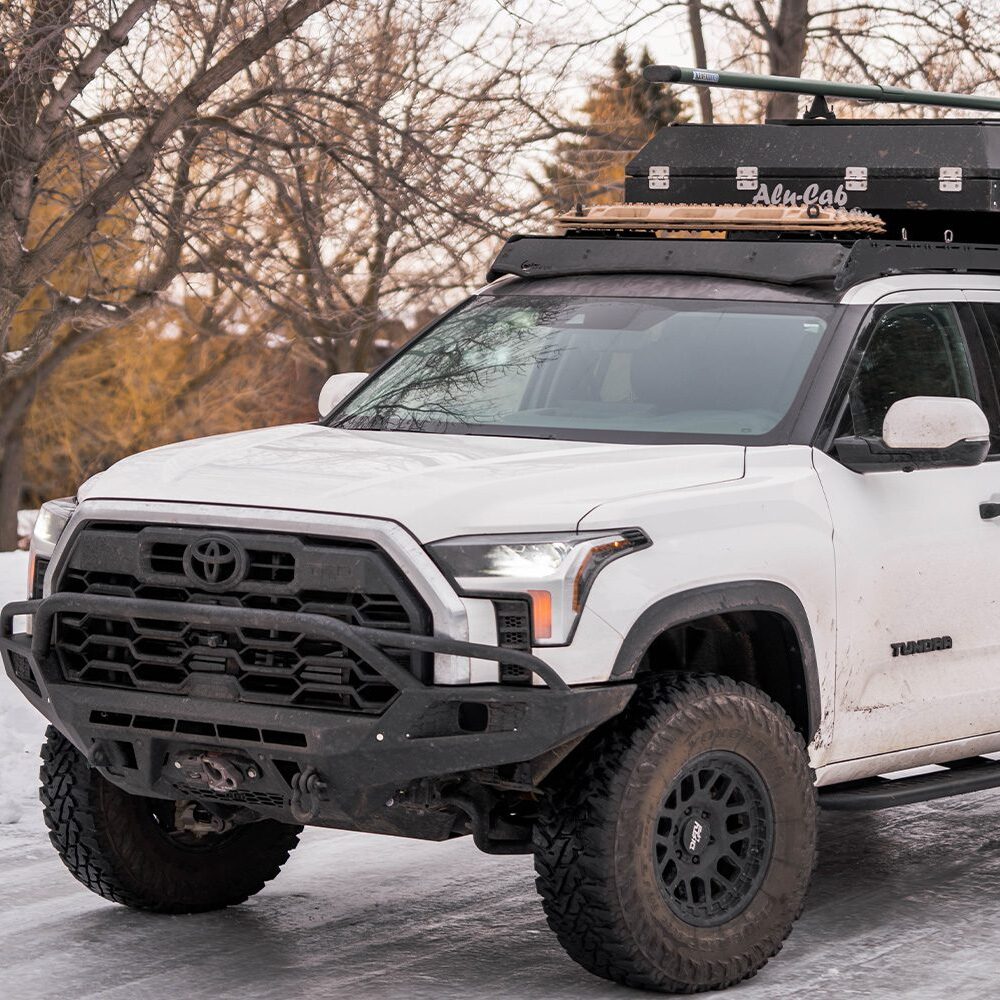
column 921, row 432
column 337, row 388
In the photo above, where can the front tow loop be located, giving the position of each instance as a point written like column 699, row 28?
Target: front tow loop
column 307, row 790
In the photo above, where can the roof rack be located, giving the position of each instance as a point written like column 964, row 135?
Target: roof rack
column 820, row 90
column 792, row 262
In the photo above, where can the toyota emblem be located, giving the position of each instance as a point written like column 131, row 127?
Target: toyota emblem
column 215, row 561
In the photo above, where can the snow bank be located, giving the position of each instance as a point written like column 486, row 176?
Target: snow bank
column 21, row 727
column 25, row 525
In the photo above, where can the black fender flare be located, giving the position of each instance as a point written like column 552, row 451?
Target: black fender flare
column 701, row 602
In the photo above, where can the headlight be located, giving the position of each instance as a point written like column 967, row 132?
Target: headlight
column 50, row 524
column 555, row 571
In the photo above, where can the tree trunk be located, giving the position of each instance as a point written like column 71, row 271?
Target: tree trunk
column 11, row 479
column 17, row 398
column 701, row 58
column 369, row 306
column 786, row 51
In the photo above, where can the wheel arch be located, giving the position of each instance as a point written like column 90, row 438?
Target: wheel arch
column 738, row 598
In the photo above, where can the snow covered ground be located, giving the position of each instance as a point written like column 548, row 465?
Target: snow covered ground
column 21, row 727
column 905, row 903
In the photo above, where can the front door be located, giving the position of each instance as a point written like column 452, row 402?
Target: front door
column 918, row 604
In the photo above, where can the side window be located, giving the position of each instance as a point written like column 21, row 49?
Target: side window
column 988, row 314
column 914, row 350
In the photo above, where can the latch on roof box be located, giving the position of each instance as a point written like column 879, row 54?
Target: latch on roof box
column 659, row 178
column 856, row 179
column 950, row 179
column 746, row 179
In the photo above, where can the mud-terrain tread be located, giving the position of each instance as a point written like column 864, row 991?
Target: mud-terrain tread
column 91, row 825
column 574, row 836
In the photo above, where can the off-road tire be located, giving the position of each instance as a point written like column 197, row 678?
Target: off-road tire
column 111, row 842
column 597, row 869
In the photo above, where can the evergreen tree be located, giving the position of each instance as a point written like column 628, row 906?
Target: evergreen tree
column 620, row 114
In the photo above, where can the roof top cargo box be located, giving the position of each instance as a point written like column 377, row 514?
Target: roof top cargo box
column 925, row 179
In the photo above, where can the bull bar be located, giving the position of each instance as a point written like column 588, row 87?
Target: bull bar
column 365, row 761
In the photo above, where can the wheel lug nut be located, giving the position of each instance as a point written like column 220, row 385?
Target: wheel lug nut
column 704, row 815
column 695, row 859
column 687, row 812
column 679, row 854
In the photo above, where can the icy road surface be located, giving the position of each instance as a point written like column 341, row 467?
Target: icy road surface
column 905, row 903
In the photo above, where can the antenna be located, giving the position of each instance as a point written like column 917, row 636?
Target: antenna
column 821, row 89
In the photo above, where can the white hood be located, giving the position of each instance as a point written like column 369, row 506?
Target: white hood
column 437, row 485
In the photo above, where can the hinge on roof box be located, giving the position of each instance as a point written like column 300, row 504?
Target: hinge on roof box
column 659, row 178
column 856, row 179
column 746, row 179
column 950, row 179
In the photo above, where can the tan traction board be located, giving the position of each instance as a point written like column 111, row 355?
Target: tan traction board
column 768, row 218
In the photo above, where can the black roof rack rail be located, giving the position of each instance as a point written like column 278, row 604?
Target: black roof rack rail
column 780, row 262
column 791, row 263
column 881, row 258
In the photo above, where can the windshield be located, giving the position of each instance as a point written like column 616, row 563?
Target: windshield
column 596, row 368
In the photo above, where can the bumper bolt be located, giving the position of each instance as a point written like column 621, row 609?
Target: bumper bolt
column 379, row 737
column 251, row 772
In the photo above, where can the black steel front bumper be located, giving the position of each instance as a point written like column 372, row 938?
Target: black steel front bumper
column 426, row 732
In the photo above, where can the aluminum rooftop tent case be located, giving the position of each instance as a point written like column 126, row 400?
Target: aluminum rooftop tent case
column 929, row 178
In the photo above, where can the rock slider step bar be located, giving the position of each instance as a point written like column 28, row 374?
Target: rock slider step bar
column 960, row 777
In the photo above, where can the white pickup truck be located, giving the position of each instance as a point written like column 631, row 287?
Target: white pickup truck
column 629, row 561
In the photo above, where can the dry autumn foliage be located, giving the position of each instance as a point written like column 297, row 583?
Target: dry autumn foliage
column 141, row 388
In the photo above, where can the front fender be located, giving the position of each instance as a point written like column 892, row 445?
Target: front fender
column 764, row 542
column 702, row 602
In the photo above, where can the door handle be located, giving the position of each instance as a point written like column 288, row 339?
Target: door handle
column 987, row 511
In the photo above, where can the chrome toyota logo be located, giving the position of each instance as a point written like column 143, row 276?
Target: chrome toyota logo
column 215, row 561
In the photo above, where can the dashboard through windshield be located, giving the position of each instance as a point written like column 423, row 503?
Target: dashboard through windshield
column 600, row 368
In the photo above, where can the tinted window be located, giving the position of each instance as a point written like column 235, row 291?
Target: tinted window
column 567, row 366
column 989, row 368
column 914, row 350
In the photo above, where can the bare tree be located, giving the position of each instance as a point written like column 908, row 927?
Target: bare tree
column 387, row 204
column 299, row 165
column 122, row 88
column 697, row 29
column 937, row 44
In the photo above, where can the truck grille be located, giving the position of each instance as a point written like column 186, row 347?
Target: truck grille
column 354, row 582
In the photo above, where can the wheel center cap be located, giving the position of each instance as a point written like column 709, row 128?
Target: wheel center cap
column 695, row 835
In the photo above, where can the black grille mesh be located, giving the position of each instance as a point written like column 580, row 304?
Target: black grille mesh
column 238, row 795
column 354, row 583
column 22, row 671
column 513, row 632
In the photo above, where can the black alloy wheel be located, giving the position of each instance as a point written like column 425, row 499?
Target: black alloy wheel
column 713, row 839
